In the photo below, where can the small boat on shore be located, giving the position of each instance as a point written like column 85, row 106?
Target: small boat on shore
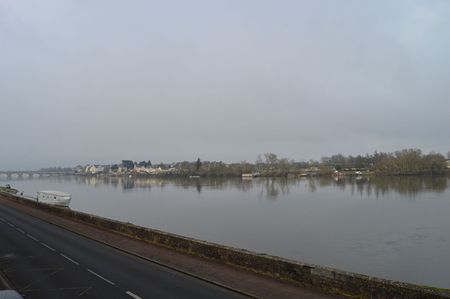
column 56, row 198
column 250, row 175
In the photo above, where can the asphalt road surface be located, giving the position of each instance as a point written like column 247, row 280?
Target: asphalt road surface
column 46, row 261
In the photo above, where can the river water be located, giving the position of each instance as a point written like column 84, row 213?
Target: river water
column 396, row 228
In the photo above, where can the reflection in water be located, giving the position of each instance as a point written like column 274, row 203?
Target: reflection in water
column 408, row 185
column 273, row 188
column 312, row 186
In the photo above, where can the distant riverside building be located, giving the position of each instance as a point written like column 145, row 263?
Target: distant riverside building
column 79, row 169
column 94, row 169
column 128, row 164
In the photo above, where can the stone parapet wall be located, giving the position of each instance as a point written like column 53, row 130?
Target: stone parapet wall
column 328, row 279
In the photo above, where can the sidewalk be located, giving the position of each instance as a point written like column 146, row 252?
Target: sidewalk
column 248, row 283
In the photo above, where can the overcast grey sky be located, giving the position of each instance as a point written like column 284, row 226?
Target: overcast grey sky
column 101, row 81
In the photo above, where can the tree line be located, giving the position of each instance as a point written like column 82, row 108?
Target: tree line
column 402, row 162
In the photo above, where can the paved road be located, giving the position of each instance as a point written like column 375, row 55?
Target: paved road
column 45, row 261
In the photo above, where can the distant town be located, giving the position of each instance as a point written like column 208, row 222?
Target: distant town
column 403, row 162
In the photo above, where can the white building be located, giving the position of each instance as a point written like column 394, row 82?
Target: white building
column 94, row 169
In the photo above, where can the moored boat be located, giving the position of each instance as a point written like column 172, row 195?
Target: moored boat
column 56, row 198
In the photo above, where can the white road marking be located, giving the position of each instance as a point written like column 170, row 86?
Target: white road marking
column 133, row 295
column 20, row 230
column 10, row 224
column 52, row 249
column 101, row 277
column 69, row 259
column 3, row 220
column 31, row 237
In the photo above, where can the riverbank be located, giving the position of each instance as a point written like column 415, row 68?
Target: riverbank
column 293, row 174
column 283, row 270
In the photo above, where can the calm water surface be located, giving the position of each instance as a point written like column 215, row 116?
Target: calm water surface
column 396, row 228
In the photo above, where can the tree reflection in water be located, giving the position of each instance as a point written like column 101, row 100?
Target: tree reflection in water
column 273, row 188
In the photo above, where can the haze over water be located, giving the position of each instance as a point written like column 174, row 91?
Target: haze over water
column 394, row 228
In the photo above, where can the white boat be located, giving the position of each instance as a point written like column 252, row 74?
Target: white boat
column 251, row 175
column 56, row 198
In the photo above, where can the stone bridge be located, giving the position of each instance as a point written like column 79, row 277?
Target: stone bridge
column 31, row 173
